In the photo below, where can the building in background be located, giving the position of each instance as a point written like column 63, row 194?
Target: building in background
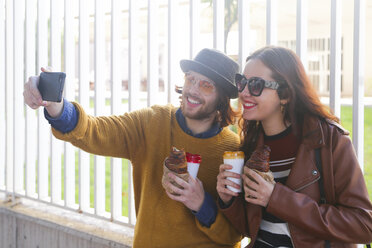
column 318, row 35
column 318, row 57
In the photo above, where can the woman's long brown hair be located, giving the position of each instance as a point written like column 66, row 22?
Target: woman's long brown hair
column 287, row 69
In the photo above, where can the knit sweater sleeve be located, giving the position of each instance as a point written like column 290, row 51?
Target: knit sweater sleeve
column 117, row 136
column 221, row 231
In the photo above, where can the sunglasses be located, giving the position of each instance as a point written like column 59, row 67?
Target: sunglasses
column 255, row 84
column 206, row 87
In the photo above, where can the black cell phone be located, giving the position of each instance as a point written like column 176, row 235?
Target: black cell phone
column 51, row 86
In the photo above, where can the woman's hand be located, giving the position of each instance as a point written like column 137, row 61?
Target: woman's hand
column 191, row 193
column 33, row 98
column 257, row 190
column 222, row 182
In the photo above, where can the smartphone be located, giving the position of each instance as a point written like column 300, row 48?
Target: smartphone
column 51, row 86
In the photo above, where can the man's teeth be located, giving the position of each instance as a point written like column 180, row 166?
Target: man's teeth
column 193, row 101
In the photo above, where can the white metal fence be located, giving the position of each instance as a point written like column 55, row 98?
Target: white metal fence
column 105, row 45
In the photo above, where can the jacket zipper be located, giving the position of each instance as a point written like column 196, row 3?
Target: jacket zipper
column 304, row 186
column 291, row 235
column 296, row 190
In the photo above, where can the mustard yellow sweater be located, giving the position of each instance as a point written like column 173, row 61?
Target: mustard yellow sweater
column 145, row 137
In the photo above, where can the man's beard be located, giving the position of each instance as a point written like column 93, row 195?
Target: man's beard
column 206, row 112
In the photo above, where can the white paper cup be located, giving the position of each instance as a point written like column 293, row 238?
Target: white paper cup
column 193, row 163
column 193, row 169
column 237, row 164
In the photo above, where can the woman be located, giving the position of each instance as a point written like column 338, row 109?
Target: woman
column 282, row 111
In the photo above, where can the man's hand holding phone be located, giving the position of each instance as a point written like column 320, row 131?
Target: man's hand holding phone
column 49, row 95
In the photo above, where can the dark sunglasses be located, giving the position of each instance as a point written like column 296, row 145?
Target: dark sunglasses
column 255, row 84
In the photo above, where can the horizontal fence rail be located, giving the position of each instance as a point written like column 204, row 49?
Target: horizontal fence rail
column 120, row 56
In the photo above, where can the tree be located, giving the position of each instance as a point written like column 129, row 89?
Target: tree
column 231, row 16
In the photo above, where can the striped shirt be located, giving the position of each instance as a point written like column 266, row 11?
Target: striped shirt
column 273, row 231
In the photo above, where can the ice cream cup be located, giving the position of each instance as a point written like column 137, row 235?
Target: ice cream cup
column 193, row 163
column 236, row 159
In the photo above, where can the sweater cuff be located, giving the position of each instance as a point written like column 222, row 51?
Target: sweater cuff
column 223, row 205
column 208, row 211
column 67, row 121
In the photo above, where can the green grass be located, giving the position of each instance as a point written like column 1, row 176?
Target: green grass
column 107, row 183
column 346, row 121
column 107, row 102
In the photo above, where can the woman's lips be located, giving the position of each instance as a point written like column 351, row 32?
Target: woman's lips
column 249, row 105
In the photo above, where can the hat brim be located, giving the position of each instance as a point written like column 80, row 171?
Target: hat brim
column 223, row 82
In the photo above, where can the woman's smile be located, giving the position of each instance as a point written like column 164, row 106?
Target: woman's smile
column 249, row 105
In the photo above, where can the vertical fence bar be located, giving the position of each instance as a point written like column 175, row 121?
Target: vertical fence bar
column 219, row 24
column 271, row 22
column 18, row 81
column 301, row 31
column 335, row 57
column 244, row 27
column 55, row 35
column 133, row 58
column 116, row 163
column 31, row 121
column 69, row 68
column 133, row 83
column 9, row 95
column 358, row 79
column 172, row 50
column 84, row 158
column 99, row 104
column 152, row 52
column 2, row 96
column 194, row 27
column 55, row 61
column 43, row 126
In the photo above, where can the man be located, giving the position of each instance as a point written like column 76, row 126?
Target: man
column 146, row 137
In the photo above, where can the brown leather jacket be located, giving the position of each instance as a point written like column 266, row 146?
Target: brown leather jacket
column 345, row 219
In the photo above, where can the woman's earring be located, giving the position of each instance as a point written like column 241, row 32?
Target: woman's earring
column 282, row 108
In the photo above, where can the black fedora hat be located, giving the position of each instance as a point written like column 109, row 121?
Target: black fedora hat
column 217, row 66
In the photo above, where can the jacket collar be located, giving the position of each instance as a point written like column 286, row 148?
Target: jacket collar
column 312, row 137
column 304, row 171
column 312, row 132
